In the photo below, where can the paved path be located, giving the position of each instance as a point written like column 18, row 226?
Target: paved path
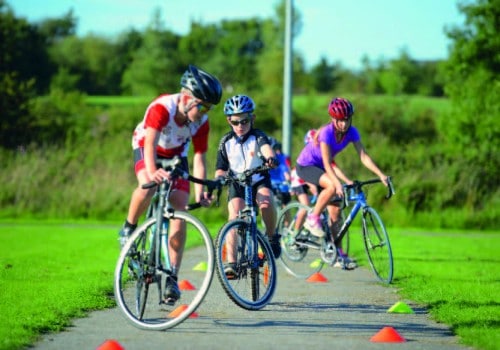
column 342, row 313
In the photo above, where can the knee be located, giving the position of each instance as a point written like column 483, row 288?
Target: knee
column 265, row 205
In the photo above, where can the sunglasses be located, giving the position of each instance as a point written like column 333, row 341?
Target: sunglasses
column 203, row 108
column 238, row 122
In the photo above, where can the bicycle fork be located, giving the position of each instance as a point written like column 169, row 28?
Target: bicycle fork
column 360, row 203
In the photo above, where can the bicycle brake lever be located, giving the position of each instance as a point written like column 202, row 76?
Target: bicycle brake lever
column 346, row 199
column 193, row 206
column 392, row 191
column 149, row 185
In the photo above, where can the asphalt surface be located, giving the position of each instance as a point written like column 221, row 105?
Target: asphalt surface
column 342, row 313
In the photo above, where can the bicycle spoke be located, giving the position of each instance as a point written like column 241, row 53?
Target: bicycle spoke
column 297, row 257
column 254, row 282
column 138, row 282
column 377, row 245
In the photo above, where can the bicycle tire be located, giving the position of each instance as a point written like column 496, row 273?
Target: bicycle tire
column 133, row 293
column 254, row 286
column 377, row 245
column 295, row 259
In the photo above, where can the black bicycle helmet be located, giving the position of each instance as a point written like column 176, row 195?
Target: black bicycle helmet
column 203, row 85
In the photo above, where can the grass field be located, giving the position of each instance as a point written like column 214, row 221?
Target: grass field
column 53, row 272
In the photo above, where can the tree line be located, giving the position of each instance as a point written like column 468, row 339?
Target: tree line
column 247, row 55
column 46, row 71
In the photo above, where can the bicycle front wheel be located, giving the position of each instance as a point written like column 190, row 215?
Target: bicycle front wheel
column 138, row 281
column 252, row 283
column 377, row 245
column 295, row 245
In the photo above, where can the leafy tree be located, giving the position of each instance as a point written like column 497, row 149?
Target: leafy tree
column 239, row 44
column 55, row 29
column 154, row 67
column 324, row 76
column 19, row 45
column 473, row 84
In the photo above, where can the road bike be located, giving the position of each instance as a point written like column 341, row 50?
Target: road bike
column 296, row 242
column 144, row 261
column 254, row 282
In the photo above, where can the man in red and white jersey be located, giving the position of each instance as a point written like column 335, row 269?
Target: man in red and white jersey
column 170, row 124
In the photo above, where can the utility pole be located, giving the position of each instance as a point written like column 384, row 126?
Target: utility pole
column 287, row 81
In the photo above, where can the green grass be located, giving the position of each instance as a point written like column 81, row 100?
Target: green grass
column 455, row 275
column 53, row 272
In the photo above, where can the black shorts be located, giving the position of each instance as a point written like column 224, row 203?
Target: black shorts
column 302, row 189
column 310, row 174
column 238, row 191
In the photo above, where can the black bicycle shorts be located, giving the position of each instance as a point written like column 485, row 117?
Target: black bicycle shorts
column 238, row 191
column 310, row 174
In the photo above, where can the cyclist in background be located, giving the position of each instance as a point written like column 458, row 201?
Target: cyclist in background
column 315, row 163
column 280, row 176
column 170, row 123
column 241, row 149
column 302, row 190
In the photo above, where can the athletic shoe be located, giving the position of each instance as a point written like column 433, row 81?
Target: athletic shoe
column 313, row 224
column 172, row 292
column 124, row 234
column 345, row 263
column 230, row 271
column 275, row 245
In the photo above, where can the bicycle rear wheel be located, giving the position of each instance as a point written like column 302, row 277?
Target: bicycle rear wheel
column 377, row 245
column 295, row 256
column 253, row 285
column 138, row 282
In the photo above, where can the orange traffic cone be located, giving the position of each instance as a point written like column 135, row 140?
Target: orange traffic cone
column 180, row 309
column 110, row 344
column 186, row 285
column 317, row 277
column 387, row 335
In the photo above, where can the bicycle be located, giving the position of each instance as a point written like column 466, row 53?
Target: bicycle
column 144, row 260
column 295, row 244
column 254, row 283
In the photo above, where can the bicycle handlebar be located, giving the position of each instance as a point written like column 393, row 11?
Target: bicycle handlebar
column 245, row 176
column 358, row 184
column 172, row 165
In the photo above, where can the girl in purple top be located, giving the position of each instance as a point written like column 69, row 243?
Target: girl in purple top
column 315, row 163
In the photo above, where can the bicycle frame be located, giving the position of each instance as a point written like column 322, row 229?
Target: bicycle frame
column 375, row 238
column 251, row 235
column 145, row 258
column 361, row 203
column 253, row 286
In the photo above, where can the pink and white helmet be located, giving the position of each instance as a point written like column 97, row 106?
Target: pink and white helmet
column 309, row 136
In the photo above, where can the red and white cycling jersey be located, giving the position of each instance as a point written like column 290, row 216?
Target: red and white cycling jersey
column 295, row 180
column 174, row 138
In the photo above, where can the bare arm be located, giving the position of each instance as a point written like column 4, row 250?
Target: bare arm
column 340, row 174
column 199, row 171
column 150, row 142
column 369, row 163
column 267, row 151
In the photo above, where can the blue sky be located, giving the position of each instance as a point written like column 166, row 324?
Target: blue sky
column 342, row 31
